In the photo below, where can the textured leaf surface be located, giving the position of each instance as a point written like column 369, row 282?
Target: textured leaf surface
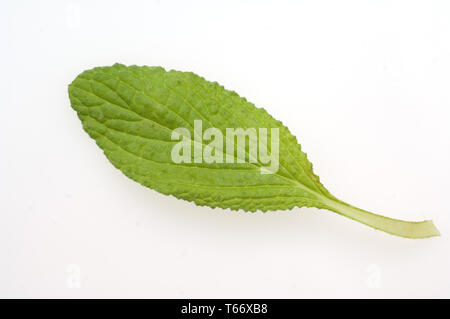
column 132, row 111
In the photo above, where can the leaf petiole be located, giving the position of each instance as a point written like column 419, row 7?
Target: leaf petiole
column 408, row 229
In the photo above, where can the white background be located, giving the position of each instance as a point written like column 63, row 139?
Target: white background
column 365, row 85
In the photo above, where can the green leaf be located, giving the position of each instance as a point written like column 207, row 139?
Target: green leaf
column 132, row 112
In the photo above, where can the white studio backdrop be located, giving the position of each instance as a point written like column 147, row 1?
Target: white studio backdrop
column 364, row 85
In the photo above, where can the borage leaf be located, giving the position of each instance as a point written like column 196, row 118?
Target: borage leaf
column 139, row 116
